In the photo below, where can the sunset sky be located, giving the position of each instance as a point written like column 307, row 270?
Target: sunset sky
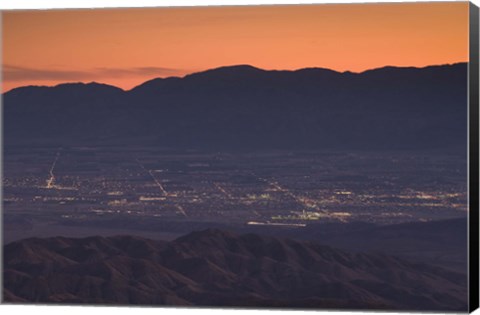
column 125, row 47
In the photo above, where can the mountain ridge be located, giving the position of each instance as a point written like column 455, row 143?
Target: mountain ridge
column 247, row 108
column 215, row 267
column 242, row 66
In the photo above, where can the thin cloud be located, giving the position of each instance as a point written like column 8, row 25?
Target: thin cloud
column 138, row 71
column 17, row 73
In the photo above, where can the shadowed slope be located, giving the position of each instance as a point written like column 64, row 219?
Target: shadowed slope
column 214, row 267
column 243, row 107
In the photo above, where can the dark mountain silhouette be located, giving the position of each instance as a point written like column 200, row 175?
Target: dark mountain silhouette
column 440, row 242
column 213, row 267
column 245, row 107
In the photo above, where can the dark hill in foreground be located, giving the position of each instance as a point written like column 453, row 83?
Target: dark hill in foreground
column 243, row 107
column 441, row 242
column 218, row 268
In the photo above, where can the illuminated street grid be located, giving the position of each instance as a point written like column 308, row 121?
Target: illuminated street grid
column 284, row 188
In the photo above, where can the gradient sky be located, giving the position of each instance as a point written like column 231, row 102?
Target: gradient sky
column 125, row 47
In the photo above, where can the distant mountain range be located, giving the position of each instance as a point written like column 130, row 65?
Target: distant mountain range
column 218, row 268
column 244, row 107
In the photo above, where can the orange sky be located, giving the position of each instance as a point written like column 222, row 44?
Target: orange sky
column 125, row 47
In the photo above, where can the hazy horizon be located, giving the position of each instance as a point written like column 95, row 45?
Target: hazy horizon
column 235, row 66
column 125, row 47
